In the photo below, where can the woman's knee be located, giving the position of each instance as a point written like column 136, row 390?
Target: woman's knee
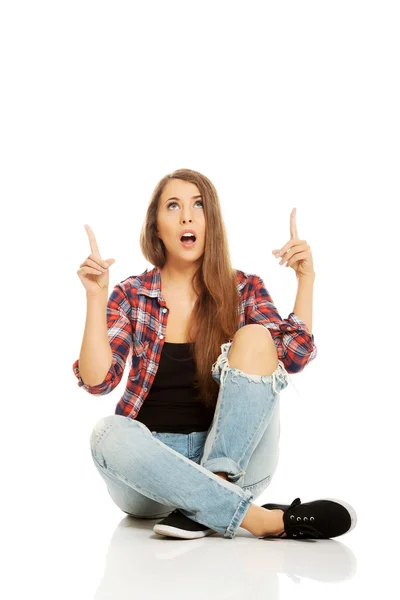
column 255, row 333
column 110, row 424
column 100, row 430
column 254, row 348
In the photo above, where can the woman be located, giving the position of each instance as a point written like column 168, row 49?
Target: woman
column 193, row 433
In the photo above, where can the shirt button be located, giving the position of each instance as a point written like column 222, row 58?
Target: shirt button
column 161, row 337
column 164, row 310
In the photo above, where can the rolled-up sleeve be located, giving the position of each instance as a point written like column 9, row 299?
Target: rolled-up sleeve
column 119, row 329
column 294, row 343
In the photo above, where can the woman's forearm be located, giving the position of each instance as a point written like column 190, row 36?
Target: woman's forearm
column 95, row 358
column 303, row 305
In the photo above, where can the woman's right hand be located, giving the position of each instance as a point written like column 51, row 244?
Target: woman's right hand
column 93, row 272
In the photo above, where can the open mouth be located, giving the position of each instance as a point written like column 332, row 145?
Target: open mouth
column 188, row 241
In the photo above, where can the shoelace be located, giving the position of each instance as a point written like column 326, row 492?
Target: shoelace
column 295, row 527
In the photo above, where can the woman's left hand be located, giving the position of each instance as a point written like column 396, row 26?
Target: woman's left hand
column 296, row 252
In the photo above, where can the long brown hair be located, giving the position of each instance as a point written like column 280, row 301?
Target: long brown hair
column 214, row 319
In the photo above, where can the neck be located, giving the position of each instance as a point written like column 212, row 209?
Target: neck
column 178, row 277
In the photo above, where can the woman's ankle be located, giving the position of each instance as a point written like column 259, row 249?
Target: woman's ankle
column 274, row 524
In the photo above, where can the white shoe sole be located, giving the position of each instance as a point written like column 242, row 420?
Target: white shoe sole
column 181, row 533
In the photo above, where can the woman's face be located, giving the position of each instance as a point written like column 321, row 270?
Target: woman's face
column 180, row 209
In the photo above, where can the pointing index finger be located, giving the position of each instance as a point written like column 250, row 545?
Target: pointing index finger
column 92, row 240
column 293, row 226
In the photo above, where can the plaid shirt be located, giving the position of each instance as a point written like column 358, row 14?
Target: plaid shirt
column 137, row 318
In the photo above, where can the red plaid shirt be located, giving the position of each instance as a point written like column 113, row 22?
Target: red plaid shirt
column 137, row 319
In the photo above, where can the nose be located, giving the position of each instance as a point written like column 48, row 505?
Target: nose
column 187, row 214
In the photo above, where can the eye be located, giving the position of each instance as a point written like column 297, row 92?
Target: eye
column 171, row 203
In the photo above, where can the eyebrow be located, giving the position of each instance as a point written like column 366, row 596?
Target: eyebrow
column 174, row 198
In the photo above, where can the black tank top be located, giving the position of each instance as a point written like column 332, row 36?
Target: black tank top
column 170, row 405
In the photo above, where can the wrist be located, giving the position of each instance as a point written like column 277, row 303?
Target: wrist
column 103, row 293
column 306, row 277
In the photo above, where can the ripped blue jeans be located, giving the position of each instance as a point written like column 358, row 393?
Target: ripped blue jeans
column 149, row 474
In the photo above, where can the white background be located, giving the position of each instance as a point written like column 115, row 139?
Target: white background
column 281, row 105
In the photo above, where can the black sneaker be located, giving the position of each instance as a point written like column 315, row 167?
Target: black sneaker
column 180, row 526
column 322, row 519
